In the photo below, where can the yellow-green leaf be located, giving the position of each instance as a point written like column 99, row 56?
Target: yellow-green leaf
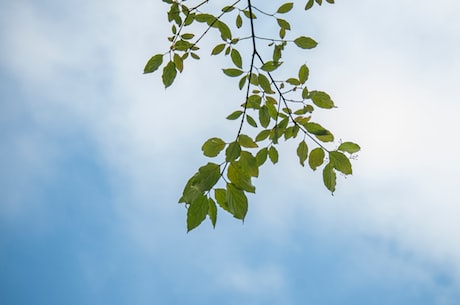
column 349, row 147
column 322, row 99
column 286, row 7
column 246, row 141
column 329, row 177
column 154, row 63
column 169, row 74
column 302, row 152
column 305, row 42
column 340, row 162
column 212, row 147
column 316, row 158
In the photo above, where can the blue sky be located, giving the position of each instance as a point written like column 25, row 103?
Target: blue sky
column 94, row 156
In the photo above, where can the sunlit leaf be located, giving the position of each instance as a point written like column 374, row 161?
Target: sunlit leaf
column 154, row 63
column 349, row 147
column 232, row 152
column 302, row 152
column 303, row 74
column 340, row 162
column 239, row 177
column 322, row 99
column 305, row 42
column 262, row 135
column 221, row 198
column 247, row 141
column 316, row 158
column 329, row 177
column 212, row 147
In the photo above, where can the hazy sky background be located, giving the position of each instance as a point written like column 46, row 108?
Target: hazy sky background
column 94, row 156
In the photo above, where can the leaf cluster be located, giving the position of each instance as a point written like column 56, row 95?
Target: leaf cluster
column 273, row 108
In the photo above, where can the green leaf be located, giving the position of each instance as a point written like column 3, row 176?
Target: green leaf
column 316, row 158
column 286, row 7
column 349, row 147
column 273, row 154
column 254, row 101
column 234, row 115
column 302, row 152
column 187, row 36
column 261, row 156
column 246, row 141
column 340, row 162
column 242, row 82
column 236, row 58
column 232, row 152
column 154, row 63
column 322, row 99
column 303, row 74
column 212, row 147
column 237, row 201
column 218, row 49
column 232, row 72
column 270, row 66
column 178, row 61
column 265, row 83
column 319, row 131
column 293, row 81
column 182, row 45
column 329, row 177
column 208, row 18
column 309, row 5
column 239, row 21
column 283, row 24
column 208, row 175
column 228, row 9
column 326, row 138
column 316, row 129
column 249, row 164
column 305, row 93
column 264, row 116
column 305, row 42
column 248, row 15
column 197, row 212
column 191, row 190
column 221, row 198
column 212, row 212
column 239, row 177
column 251, row 121
column 263, row 135
column 169, row 74
column 225, row 32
